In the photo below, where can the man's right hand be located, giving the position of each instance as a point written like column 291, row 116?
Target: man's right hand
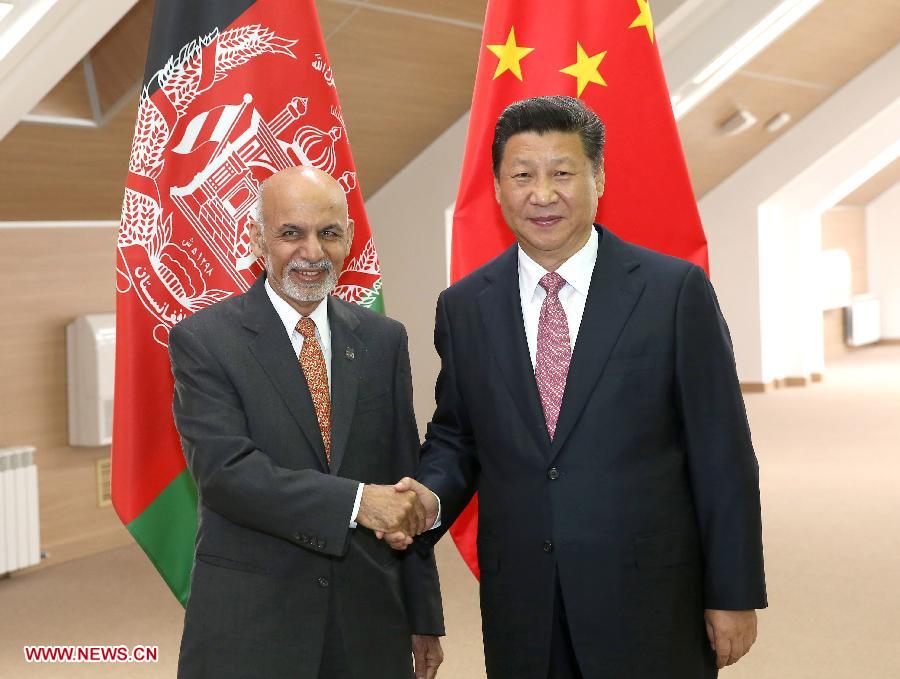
column 397, row 539
column 386, row 510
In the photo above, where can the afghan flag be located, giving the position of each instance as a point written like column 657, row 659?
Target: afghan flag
column 605, row 53
column 234, row 90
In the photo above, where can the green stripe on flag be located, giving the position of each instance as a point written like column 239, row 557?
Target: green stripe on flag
column 166, row 530
column 377, row 303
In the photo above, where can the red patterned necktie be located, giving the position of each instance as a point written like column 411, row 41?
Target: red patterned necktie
column 313, row 364
column 554, row 352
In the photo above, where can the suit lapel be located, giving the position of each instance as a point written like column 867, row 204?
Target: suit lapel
column 501, row 312
column 615, row 289
column 272, row 349
column 347, row 350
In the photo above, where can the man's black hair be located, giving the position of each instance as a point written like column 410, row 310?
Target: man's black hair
column 550, row 114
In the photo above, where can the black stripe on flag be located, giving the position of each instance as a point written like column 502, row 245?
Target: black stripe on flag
column 178, row 22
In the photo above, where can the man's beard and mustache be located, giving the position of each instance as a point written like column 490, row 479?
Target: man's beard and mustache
column 307, row 292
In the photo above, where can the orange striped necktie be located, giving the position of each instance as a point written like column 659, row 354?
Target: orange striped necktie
column 312, row 362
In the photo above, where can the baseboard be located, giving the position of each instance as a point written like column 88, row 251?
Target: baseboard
column 780, row 383
column 756, row 387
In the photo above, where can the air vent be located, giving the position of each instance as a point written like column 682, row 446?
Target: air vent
column 104, row 493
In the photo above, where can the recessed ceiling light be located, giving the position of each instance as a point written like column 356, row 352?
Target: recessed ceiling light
column 737, row 122
column 776, row 122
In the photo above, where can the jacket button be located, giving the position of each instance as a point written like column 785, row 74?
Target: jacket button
column 548, row 546
column 298, row 537
column 323, row 582
column 320, row 544
column 553, row 474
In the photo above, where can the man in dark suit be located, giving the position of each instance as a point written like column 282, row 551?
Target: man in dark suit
column 292, row 406
column 588, row 392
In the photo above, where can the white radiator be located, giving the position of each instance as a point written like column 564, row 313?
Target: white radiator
column 20, row 540
column 862, row 321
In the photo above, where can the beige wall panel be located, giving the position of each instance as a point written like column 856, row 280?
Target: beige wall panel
column 464, row 10
column 833, row 327
column 119, row 57
column 52, row 173
column 50, row 276
column 68, row 98
column 845, row 229
column 401, row 82
column 332, row 15
column 834, row 42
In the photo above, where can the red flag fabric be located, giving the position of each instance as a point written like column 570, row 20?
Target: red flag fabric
column 234, row 91
column 605, row 53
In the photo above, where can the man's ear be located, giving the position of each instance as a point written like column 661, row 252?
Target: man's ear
column 600, row 179
column 256, row 239
column 496, row 189
column 349, row 239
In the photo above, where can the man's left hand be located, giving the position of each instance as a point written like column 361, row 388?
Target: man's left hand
column 731, row 634
column 427, row 654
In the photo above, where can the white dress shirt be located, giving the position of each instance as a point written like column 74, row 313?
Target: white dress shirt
column 577, row 271
column 290, row 317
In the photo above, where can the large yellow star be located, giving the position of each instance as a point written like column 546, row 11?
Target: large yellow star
column 510, row 55
column 585, row 69
column 644, row 19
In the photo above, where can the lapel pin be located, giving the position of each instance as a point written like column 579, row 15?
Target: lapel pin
column 349, row 353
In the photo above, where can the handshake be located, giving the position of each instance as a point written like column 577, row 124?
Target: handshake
column 398, row 513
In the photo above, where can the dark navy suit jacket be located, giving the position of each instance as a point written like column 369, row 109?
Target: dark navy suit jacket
column 646, row 503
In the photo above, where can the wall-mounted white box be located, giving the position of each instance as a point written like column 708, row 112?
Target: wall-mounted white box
column 91, row 365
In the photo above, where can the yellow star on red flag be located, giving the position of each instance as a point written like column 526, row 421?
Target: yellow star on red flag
column 510, row 55
column 585, row 69
column 645, row 18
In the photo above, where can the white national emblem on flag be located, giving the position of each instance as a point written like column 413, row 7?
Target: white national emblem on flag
column 228, row 143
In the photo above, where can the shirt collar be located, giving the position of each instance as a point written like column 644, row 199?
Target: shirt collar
column 577, row 270
column 290, row 316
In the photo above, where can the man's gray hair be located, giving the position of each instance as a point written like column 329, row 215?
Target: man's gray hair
column 260, row 198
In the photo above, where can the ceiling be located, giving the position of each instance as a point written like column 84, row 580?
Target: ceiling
column 875, row 186
column 404, row 71
column 404, row 76
column 836, row 41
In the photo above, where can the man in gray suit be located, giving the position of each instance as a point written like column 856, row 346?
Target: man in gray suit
column 295, row 411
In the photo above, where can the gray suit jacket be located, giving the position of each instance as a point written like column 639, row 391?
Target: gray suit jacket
column 275, row 556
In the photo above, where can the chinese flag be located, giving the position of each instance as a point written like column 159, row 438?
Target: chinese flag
column 604, row 52
column 234, row 90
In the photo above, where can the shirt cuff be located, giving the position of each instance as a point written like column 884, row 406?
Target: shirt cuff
column 437, row 519
column 359, row 492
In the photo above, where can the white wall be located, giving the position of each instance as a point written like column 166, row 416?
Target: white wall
column 763, row 222
column 408, row 218
column 883, row 230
